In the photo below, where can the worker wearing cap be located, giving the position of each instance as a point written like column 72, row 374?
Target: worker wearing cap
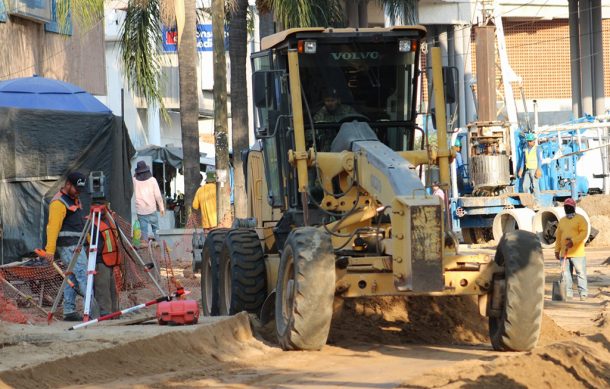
column 205, row 201
column 459, row 165
column 457, row 146
column 148, row 200
column 570, row 239
column 530, row 169
column 332, row 111
column 65, row 226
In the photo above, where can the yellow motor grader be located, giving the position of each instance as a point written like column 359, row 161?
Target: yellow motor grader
column 336, row 202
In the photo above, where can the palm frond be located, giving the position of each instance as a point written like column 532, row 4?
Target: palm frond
column 306, row 13
column 140, row 50
column 401, row 11
column 87, row 13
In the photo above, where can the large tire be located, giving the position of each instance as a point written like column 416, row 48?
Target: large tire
column 517, row 328
column 243, row 277
column 305, row 290
column 210, row 256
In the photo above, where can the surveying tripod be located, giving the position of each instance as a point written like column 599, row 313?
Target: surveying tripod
column 92, row 225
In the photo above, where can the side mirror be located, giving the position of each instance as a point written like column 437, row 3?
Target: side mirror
column 263, row 89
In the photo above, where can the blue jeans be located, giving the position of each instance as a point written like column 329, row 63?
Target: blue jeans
column 146, row 220
column 580, row 267
column 78, row 276
column 529, row 181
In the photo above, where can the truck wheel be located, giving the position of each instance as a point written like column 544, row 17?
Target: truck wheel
column 243, row 277
column 210, row 254
column 305, row 290
column 517, row 327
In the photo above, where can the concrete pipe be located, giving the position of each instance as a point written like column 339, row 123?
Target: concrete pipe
column 545, row 223
column 511, row 220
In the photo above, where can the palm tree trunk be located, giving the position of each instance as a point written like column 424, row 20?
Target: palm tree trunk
column 239, row 101
column 265, row 24
column 189, row 105
column 221, row 122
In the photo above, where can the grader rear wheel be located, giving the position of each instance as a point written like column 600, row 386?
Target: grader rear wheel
column 243, row 277
column 517, row 326
column 305, row 290
column 209, row 271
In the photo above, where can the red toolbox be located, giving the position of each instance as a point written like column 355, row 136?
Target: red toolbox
column 178, row 312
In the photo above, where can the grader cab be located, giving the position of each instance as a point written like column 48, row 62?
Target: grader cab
column 337, row 205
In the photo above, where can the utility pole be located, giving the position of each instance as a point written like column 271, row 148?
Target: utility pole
column 221, row 121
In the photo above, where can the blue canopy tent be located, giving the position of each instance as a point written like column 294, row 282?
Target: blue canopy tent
column 45, row 93
column 49, row 128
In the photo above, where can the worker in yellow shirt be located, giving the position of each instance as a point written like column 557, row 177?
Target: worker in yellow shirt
column 571, row 236
column 205, row 201
column 65, row 226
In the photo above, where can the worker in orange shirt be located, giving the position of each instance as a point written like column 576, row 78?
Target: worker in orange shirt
column 571, row 236
column 205, row 201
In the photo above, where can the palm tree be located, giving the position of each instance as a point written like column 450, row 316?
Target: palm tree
column 238, row 38
column 189, row 104
column 220, row 115
column 140, row 46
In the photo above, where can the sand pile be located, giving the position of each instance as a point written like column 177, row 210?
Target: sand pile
column 579, row 363
column 430, row 320
column 199, row 349
column 400, row 320
column 598, row 209
column 602, row 224
column 551, row 332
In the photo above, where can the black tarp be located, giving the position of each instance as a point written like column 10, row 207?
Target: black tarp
column 171, row 155
column 38, row 148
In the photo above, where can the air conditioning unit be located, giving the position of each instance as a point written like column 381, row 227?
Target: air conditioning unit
column 39, row 11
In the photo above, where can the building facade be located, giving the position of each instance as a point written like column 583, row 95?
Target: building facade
column 34, row 43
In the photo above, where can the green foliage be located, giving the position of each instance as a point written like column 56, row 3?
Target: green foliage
column 306, row 13
column 401, row 10
column 141, row 50
column 88, row 13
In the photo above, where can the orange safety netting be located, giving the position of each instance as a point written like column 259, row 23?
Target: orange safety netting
column 28, row 288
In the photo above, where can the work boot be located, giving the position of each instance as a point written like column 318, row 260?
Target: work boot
column 73, row 316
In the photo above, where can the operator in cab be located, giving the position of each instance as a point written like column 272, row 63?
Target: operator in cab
column 332, row 111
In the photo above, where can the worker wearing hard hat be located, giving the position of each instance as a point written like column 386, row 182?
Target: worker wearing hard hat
column 570, row 239
column 205, row 200
column 530, row 167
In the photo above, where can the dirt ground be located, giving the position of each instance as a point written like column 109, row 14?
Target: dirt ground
column 389, row 342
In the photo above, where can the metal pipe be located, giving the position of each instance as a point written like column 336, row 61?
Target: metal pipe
column 575, row 58
column 535, row 115
column 460, row 65
column 585, row 56
column 598, row 76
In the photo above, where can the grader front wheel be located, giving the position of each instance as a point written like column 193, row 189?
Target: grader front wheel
column 516, row 327
column 242, row 273
column 210, row 256
column 305, row 290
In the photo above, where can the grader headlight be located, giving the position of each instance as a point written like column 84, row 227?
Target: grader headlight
column 307, row 47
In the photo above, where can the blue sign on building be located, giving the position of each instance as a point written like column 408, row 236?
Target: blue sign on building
column 204, row 38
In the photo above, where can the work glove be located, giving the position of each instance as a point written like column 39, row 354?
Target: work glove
column 557, row 255
column 569, row 243
column 46, row 256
